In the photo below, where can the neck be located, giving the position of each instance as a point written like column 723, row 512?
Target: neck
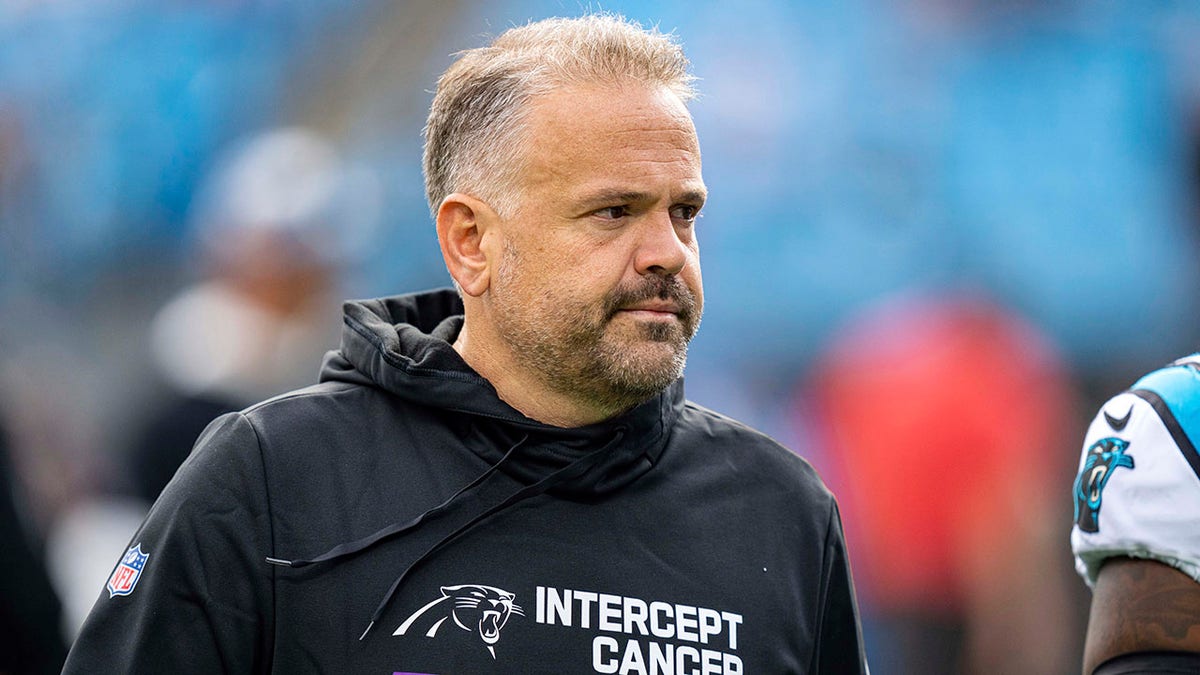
column 523, row 389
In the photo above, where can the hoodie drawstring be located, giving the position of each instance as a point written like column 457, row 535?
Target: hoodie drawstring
column 568, row 472
column 352, row 547
column 571, row 471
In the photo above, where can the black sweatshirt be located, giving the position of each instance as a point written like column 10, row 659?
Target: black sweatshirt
column 400, row 494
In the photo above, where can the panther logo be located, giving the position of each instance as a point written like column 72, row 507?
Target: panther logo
column 1104, row 457
column 482, row 609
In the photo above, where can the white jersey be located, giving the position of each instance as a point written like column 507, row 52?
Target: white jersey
column 1137, row 493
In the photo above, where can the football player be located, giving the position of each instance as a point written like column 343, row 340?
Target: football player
column 1136, row 536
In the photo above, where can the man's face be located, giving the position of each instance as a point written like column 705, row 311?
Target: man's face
column 598, row 290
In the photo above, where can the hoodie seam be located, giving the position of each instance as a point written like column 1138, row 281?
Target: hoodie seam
column 270, row 514
column 822, row 605
column 306, row 392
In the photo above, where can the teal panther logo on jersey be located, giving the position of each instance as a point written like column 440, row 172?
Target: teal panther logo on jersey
column 1103, row 458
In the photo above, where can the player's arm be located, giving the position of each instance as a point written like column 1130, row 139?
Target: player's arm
column 1141, row 606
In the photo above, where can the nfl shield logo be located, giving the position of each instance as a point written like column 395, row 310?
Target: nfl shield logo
column 128, row 571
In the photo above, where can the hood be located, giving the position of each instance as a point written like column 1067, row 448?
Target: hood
column 402, row 344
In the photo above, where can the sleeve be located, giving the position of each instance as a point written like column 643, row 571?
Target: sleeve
column 1137, row 492
column 839, row 642
column 192, row 594
column 1151, row 663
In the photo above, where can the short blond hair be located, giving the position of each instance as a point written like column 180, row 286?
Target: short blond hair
column 474, row 131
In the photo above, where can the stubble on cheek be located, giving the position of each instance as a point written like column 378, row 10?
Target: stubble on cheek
column 584, row 348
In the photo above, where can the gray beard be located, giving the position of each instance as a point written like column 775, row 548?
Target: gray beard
column 591, row 363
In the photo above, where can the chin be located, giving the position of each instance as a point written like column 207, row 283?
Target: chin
column 649, row 365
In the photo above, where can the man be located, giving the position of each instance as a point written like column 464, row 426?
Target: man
column 506, row 479
column 1136, row 536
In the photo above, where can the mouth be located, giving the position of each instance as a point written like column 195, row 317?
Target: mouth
column 656, row 303
column 652, row 310
column 489, row 627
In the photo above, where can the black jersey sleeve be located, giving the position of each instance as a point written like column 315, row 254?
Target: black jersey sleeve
column 200, row 599
column 839, row 644
column 1151, row 663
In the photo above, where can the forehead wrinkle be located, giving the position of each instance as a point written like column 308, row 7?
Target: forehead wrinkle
column 656, row 129
column 545, row 163
column 671, row 137
column 574, row 139
column 632, row 146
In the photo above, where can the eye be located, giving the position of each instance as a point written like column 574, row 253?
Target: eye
column 612, row 212
column 685, row 212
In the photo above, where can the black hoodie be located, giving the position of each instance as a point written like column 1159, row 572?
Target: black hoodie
column 402, row 495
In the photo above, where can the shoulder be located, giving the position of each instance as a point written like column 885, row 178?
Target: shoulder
column 241, row 455
column 315, row 415
column 749, row 454
column 1174, row 395
column 1137, row 490
column 303, row 402
column 194, row 570
column 227, row 448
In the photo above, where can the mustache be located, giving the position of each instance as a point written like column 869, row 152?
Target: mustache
column 668, row 287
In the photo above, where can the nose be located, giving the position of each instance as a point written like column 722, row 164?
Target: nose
column 663, row 248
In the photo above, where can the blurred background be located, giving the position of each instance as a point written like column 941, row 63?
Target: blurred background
column 940, row 234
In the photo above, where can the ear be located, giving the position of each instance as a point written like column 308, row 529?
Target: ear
column 463, row 222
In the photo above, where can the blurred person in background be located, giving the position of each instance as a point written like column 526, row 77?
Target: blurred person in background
column 1136, row 536
column 31, row 637
column 619, row 525
column 942, row 415
column 267, row 237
